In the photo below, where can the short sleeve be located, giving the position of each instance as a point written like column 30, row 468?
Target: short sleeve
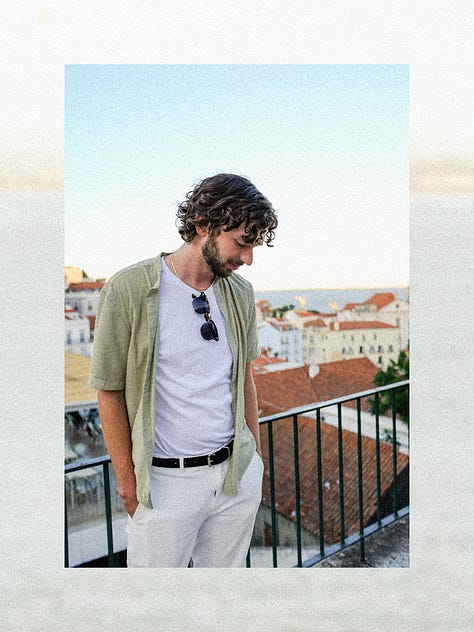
column 111, row 343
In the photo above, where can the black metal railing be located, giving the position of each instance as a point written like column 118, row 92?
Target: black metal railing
column 345, row 539
column 326, row 548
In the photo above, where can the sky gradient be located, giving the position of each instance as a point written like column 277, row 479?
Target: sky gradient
column 327, row 144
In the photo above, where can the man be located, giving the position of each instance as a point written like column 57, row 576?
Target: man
column 173, row 344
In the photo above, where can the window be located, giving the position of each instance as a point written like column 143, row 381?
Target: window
column 380, row 359
column 375, row 336
column 380, row 349
column 372, row 349
column 361, row 349
column 343, row 350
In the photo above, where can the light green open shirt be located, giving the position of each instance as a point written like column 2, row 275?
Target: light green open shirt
column 125, row 350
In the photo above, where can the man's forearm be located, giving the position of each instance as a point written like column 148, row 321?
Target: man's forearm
column 251, row 407
column 116, row 431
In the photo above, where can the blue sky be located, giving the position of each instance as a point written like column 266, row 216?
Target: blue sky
column 327, row 144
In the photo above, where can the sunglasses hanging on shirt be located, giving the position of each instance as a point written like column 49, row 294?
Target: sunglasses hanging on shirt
column 201, row 306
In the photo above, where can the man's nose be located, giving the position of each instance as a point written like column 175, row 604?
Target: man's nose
column 246, row 256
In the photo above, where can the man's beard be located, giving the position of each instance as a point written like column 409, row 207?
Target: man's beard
column 211, row 254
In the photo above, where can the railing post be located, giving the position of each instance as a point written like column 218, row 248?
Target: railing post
column 297, row 489
column 66, row 533
column 340, row 450
column 320, row 482
column 361, row 488
column 272, row 494
column 377, row 459
column 394, row 453
column 108, row 516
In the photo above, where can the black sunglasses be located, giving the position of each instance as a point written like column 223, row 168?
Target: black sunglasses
column 201, row 306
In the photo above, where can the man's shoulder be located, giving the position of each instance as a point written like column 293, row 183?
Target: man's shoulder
column 138, row 276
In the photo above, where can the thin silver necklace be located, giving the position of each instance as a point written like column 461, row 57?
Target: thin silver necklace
column 199, row 290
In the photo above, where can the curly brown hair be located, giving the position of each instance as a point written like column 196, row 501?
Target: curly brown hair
column 224, row 202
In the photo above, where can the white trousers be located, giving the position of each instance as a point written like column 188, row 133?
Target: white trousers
column 193, row 518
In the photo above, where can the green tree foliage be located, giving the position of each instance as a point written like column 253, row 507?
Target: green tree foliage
column 279, row 311
column 395, row 372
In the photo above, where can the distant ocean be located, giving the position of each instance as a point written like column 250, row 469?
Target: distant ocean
column 320, row 299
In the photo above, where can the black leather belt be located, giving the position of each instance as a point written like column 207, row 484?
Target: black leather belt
column 195, row 461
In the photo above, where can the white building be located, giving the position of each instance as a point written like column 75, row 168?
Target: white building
column 281, row 339
column 378, row 341
column 384, row 307
column 77, row 332
column 263, row 309
column 84, row 297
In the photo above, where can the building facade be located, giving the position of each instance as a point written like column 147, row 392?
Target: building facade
column 280, row 339
column 84, row 297
column 77, row 333
column 375, row 340
column 384, row 307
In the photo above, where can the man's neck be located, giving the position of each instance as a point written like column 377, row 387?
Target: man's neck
column 188, row 264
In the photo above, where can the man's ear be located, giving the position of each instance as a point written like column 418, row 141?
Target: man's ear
column 202, row 231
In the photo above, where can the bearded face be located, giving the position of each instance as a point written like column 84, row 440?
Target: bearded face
column 215, row 261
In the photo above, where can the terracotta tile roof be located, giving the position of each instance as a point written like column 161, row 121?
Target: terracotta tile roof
column 361, row 324
column 261, row 362
column 380, row 299
column 350, row 306
column 317, row 322
column 284, row 476
column 303, row 313
column 344, row 377
column 282, row 390
column 284, row 326
column 86, row 285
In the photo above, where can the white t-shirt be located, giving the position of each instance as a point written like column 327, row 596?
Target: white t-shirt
column 193, row 397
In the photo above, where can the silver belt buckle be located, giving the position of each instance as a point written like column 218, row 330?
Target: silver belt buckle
column 209, row 456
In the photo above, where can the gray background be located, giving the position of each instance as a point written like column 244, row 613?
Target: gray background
column 37, row 593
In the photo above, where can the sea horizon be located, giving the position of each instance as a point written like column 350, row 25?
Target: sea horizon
column 320, row 299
